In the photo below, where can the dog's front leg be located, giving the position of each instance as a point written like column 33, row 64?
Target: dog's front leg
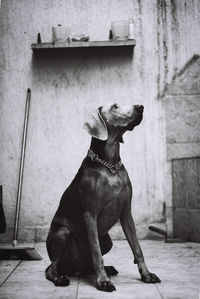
column 128, row 226
column 103, row 282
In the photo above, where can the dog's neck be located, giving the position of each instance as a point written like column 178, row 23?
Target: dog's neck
column 106, row 150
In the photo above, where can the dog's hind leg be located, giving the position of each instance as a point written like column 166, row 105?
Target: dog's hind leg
column 106, row 245
column 56, row 246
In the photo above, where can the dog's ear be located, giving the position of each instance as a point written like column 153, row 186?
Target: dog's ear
column 96, row 126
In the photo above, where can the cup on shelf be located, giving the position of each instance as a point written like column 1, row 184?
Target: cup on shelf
column 61, row 33
column 120, row 30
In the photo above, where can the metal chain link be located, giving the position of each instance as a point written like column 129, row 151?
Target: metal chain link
column 112, row 167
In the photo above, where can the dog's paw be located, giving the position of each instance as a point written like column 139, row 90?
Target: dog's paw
column 57, row 279
column 110, row 270
column 105, row 285
column 61, row 280
column 150, row 278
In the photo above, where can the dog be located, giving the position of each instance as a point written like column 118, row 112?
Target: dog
column 99, row 195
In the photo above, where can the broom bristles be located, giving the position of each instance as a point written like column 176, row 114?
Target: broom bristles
column 19, row 253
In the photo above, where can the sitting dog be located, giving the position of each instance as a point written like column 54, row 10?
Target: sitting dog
column 99, row 195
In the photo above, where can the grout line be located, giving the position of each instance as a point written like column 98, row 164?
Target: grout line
column 159, row 291
column 10, row 274
column 77, row 288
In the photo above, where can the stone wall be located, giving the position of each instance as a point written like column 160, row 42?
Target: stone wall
column 182, row 116
column 186, row 198
column 64, row 87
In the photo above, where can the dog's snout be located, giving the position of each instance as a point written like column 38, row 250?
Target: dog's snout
column 139, row 108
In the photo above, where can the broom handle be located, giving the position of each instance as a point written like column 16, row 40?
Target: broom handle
column 21, row 170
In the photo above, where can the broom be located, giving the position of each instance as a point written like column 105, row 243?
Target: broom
column 2, row 215
column 20, row 251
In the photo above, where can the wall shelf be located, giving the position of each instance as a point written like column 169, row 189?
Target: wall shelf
column 38, row 47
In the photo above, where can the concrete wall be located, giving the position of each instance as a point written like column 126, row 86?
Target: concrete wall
column 182, row 106
column 64, row 87
column 182, row 115
column 186, row 198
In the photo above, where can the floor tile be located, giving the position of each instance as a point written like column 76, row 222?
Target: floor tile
column 33, row 290
column 6, row 267
column 129, row 291
column 179, row 290
column 176, row 264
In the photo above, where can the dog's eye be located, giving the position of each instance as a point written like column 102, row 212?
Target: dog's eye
column 115, row 106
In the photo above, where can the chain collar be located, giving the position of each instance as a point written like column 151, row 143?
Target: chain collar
column 112, row 167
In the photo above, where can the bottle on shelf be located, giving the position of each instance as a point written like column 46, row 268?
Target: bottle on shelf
column 131, row 29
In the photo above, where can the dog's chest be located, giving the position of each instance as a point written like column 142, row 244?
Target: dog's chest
column 116, row 190
column 116, row 185
column 116, row 193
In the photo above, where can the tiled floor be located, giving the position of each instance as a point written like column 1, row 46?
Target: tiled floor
column 177, row 265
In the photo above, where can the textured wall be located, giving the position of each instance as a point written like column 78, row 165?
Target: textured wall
column 182, row 106
column 63, row 87
column 182, row 116
column 186, row 198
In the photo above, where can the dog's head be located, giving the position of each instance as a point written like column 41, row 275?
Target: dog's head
column 113, row 118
